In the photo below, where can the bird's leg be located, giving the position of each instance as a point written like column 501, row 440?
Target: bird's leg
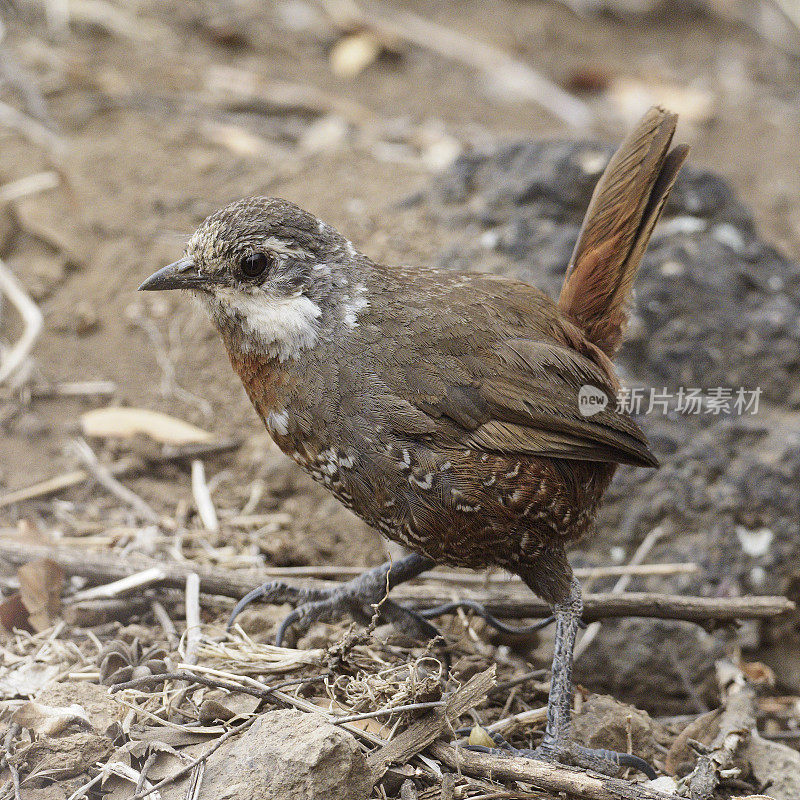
column 357, row 598
column 568, row 615
column 558, row 744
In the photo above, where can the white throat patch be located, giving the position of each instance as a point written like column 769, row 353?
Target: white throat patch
column 280, row 328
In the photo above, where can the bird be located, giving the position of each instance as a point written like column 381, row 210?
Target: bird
column 446, row 409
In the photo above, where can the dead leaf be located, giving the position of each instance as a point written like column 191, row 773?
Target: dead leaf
column 125, row 423
column 479, row 736
column 14, row 615
column 218, row 705
column 50, row 720
column 703, row 730
column 40, row 585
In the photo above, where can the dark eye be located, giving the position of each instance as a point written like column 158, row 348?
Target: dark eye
column 255, row 265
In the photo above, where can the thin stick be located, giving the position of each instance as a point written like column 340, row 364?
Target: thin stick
column 31, row 317
column 387, row 712
column 192, row 617
column 123, row 586
column 123, row 468
column 202, row 497
column 102, row 569
column 30, row 184
column 151, row 759
column 15, row 780
column 532, row 715
column 544, row 775
column 104, row 477
column 86, row 786
column 164, row 620
column 62, row 482
column 642, row 551
column 196, row 782
column 73, row 389
column 30, row 128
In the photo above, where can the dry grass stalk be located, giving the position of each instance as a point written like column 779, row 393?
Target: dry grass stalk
column 32, row 320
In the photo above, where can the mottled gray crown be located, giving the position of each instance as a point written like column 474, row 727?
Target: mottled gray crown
column 244, row 225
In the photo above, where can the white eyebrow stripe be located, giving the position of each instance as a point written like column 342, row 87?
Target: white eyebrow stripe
column 281, row 246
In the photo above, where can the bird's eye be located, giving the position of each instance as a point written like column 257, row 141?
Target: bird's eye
column 255, row 265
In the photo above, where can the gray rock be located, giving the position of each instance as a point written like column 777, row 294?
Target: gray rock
column 776, row 766
column 289, row 755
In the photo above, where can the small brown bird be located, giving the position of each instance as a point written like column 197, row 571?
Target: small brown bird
column 443, row 408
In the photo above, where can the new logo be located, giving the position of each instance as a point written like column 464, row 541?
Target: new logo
column 591, row 400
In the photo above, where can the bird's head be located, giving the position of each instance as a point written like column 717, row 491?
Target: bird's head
column 271, row 275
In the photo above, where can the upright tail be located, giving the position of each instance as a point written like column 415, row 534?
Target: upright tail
column 623, row 211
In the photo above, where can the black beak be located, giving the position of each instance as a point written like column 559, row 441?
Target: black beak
column 180, row 275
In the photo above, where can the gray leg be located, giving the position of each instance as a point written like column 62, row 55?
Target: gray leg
column 568, row 616
column 557, row 744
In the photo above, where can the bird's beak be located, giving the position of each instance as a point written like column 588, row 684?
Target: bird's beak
column 181, row 275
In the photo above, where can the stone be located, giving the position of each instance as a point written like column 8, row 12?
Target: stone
column 774, row 765
column 289, row 755
column 606, row 723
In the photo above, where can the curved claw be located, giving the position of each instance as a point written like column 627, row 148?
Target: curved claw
column 359, row 598
column 629, row 760
column 588, row 757
column 316, row 610
column 274, row 591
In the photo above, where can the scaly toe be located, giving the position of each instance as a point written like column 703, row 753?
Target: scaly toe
column 607, row 762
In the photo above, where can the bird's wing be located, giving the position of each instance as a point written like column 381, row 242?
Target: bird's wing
column 532, row 401
column 513, row 387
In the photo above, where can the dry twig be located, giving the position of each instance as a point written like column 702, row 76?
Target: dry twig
column 548, row 777
column 136, row 581
column 30, row 184
column 123, row 468
column 735, row 724
column 620, row 586
column 192, row 617
column 202, row 497
column 102, row 569
column 31, row 318
column 104, row 477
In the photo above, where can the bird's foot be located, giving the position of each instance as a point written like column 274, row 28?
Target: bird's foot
column 568, row 752
column 360, row 598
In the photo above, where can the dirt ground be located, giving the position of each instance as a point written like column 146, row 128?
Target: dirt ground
column 169, row 110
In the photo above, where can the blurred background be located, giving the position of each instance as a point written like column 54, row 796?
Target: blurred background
column 463, row 134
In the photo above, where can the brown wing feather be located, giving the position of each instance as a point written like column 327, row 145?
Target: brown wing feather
column 532, row 402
